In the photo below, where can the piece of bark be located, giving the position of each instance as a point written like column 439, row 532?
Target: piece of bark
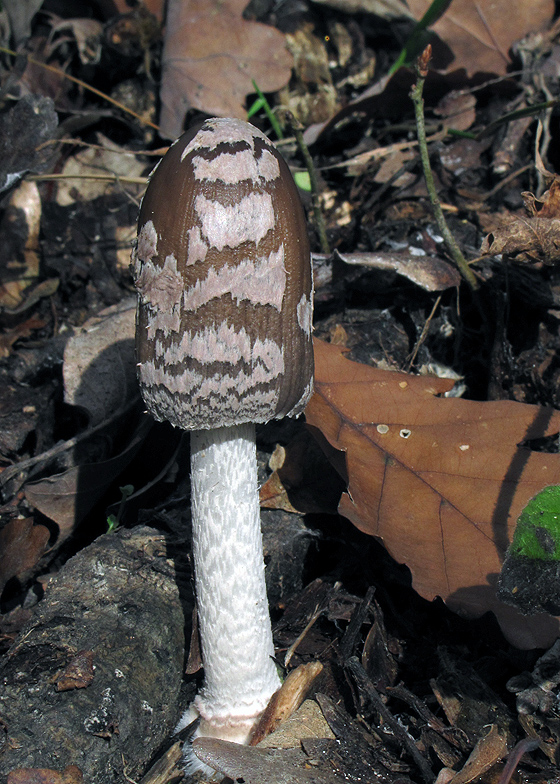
column 118, row 599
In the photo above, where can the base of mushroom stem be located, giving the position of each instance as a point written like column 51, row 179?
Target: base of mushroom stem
column 235, row 729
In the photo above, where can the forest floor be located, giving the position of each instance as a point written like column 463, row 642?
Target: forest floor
column 383, row 556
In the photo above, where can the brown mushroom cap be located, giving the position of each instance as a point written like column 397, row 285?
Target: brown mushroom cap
column 223, row 271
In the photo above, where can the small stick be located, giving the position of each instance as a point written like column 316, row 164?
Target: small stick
column 450, row 242
column 310, row 166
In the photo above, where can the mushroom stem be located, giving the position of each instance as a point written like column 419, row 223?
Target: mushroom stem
column 234, row 622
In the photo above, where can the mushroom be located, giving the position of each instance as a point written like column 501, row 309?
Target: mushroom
column 223, row 340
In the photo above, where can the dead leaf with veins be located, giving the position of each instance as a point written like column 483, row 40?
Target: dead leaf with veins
column 210, row 57
column 441, row 481
column 532, row 239
column 481, row 34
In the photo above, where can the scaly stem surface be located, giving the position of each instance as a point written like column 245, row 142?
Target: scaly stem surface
column 234, row 622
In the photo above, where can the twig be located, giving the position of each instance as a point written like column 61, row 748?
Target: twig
column 450, row 243
column 116, row 178
column 310, row 166
column 423, row 335
column 85, row 86
column 391, row 724
column 63, row 446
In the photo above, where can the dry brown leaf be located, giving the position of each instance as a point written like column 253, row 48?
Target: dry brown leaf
column 490, row 749
column 458, row 110
column 20, row 232
column 440, row 480
column 67, row 497
column 548, row 206
column 273, row 495
column 429, row 272
column 21, row 546
column 70, row 775
column 23, row 330
column 211, row 55
column 480, row 34
column 533, row 239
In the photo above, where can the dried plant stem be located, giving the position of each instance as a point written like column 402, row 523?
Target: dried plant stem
column 423, row 335
column 310, row 166
column 450, row 243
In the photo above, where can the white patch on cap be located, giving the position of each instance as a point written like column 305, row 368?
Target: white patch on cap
column 232, row 168
column 249, row 220
column 146, row 247
column 271, row 355
column 212, row 344
column 305, row 314
column 161, row 289
column 220, row 130
column 197, row 248
column 267, row 364
column 262, row 282
column 154, row 377
column 268, row 166
column 224, row 345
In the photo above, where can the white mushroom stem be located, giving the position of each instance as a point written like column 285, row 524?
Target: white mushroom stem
column 237, row 647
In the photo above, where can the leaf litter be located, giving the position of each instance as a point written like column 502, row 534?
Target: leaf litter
column 371, row 295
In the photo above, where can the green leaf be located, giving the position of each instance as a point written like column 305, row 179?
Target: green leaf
column 126, row 491
column 537, row 534
column 302, row 180
column 255, row 107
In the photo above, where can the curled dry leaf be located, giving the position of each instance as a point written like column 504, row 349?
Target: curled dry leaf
column 441, row 481
column 428, row 272
column 490, row 749
column 211, row 55
column 20, row 236
column 535, row 238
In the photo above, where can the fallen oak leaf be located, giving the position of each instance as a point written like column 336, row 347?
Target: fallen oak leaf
column 428, row 272
column 211, row 57
column 480, row 35
column 441, row 481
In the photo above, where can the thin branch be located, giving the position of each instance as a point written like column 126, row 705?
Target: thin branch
column 84, row 85
column 450, row 242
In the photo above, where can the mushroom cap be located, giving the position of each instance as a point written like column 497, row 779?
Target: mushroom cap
column 223, row 272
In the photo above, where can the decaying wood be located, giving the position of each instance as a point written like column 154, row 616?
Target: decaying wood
column 117, row 605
